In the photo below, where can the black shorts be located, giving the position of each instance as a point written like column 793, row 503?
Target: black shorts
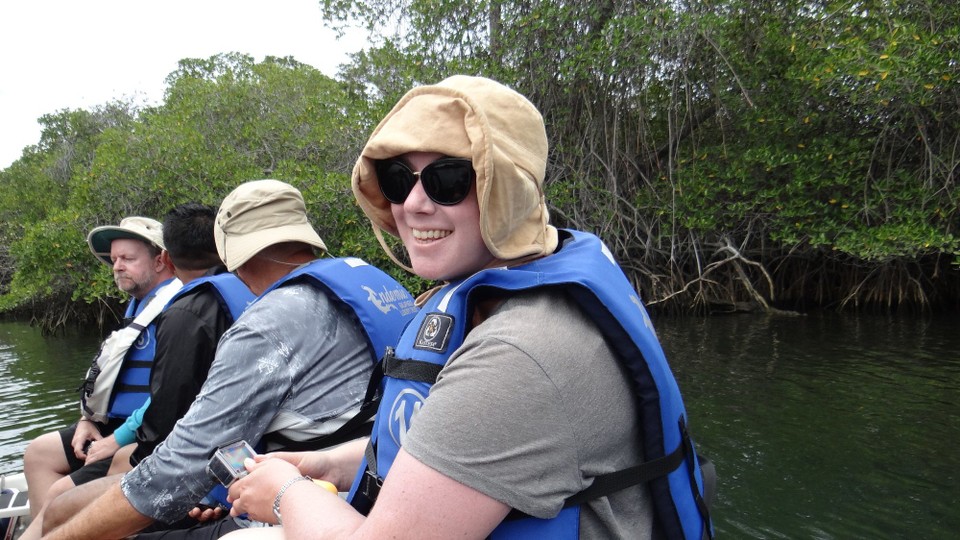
column 97, row 469
column 91, row 472
column 199, row 531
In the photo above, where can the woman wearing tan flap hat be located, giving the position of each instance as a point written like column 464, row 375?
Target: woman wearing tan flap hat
column 512, row 404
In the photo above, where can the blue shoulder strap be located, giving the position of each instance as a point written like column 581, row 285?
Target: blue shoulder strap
column 233, row 295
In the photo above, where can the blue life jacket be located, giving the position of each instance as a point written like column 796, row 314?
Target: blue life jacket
column 382, row 308
column 132, row 387
column 231, row 293
column 584, row 268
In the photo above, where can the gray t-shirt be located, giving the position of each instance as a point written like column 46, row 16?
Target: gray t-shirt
column 530, row 409
column 293, row 359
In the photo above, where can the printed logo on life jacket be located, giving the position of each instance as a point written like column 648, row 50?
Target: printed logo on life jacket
column 643, row 313
column 606, row 253
column 143, row 341
column 405, row 407
column 434, row 333
column 388, row 300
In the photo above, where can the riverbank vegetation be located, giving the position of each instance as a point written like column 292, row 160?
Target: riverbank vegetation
column 764, row 154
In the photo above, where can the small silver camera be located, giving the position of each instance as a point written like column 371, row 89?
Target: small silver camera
column 226, row 465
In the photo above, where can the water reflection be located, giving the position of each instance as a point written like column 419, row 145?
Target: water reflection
column 821, row 426
column 825, row 426
column 38, row 381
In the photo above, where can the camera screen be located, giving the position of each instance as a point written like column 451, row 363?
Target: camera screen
column 235, row 453
column 226, row 465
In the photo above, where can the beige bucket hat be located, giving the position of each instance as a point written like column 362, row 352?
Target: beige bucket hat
column 495, row 127
column 259, row 214
column 135, row 227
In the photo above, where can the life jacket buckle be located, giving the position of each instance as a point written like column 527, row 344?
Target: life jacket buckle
column 370, row 485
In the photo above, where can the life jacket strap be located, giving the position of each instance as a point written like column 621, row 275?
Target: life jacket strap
column 367, row 492
column 368, row 487
column 355, row 428
column 412, row 370
column 607, row 484
column 687, row 444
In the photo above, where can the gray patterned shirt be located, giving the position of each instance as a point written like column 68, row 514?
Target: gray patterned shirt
column 294, row 362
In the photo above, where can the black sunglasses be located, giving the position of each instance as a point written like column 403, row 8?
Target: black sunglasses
column 446, row 181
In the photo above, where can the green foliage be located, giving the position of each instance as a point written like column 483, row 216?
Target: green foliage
column 798, row 128
column 225, row 120
column 60, row 264
column 795, row 131
column 849, row 141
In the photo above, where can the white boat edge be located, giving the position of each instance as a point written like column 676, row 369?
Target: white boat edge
column 18, row 482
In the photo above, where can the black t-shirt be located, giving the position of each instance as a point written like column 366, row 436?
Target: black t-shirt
column 187, row 335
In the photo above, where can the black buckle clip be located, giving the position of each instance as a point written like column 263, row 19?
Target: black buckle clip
column 370, row 485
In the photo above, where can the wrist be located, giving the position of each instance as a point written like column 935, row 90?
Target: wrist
column 283, row 489
column 343, row 462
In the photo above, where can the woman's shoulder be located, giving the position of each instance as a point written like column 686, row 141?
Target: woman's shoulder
column 540, row 319
column 546, row 304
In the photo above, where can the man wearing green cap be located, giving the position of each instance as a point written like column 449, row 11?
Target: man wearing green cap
column 133, row 249
column 188, row 331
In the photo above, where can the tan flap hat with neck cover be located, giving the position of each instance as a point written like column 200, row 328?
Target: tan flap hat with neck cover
column 496, row 128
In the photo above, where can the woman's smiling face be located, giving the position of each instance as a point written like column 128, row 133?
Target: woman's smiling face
column 443, row 242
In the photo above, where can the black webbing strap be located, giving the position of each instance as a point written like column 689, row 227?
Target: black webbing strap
column 399, row 368
column 411, row 370
column 352, row 429
column 698, row 499
column 607, row 484
column 131, row 388
column 610, row 483
column 369, row 486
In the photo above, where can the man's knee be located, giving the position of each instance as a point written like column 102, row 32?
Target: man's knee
column 121, row 460
column 70, row 502
column 60, row 487
column 46, row 451
column 58, row 509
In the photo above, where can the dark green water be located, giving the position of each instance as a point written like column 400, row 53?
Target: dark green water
column 830, row 427
column 825, row 426
column 38, row 381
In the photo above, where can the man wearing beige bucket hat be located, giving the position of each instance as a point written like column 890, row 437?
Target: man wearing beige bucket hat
column 529, row 397
column 133, row 249
column 292, row 372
